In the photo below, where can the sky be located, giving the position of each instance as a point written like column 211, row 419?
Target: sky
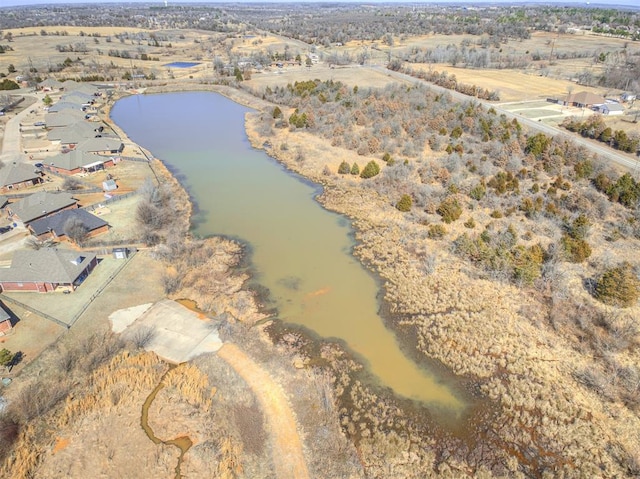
column 631, row 3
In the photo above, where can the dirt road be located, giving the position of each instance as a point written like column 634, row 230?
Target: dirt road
column 287, row 447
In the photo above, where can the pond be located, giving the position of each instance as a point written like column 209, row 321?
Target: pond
column 300, row 252
column 181, row 64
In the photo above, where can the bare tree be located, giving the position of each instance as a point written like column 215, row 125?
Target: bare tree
column 75, row 230
column 71, row 183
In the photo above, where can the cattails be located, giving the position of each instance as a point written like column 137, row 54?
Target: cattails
column 191, row 384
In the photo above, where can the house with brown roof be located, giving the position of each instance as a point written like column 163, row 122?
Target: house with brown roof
column 584, row 99
column 47, row 270
column 15, row 176
column 40, row 205
column 57, row 226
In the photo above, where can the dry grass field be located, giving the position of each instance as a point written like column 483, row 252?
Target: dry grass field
column 522, row 353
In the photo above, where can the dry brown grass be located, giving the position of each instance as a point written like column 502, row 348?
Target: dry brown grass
column 490, row 331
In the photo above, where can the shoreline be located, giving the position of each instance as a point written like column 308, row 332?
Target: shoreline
column 490, row 333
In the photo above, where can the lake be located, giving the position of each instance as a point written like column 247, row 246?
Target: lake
column 300, row 252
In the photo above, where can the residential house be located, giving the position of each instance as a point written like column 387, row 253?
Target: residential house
column 584, row 99
column 77, row 161
column 6, row 323
column 64, row 118
column 16, row 175
column 40, row 205
column 71, row 85
column 65, row 105
column 69, row 136
column 56, row 226
column 78, row 97
column 50, row 84
column 610, row 109
column 46, row 270
column 102, row 146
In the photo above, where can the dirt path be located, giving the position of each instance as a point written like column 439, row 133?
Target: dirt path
column 287, row 447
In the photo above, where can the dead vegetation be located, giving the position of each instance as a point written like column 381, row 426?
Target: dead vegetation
column 505, row 325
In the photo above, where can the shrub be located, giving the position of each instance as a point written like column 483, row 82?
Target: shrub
column 624, row 190
column 404, row 204
column 576, row 250
column 537, row 144
column 579, row 228
column 583, row 169
column 371, row 170
column 503, row 182
column 277, row 112
column 7, row 84
column 386, row 157
column 436, row 231
column 71, row 183
column 450, row 210
column 618, row 286
column 344, row 168
column 355, row 169
column 478, row 192
column 527, row 263
column 470, row 223
column 496, row 214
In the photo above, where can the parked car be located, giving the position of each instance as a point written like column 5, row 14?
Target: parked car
column 39, row 123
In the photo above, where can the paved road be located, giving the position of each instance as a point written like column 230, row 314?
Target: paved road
column 12, row 140
column 627, row 161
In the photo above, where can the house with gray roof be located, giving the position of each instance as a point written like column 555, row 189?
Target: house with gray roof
column 69, row 136
column 40, row 205
column 611, row 109
column 78, row 97
column 56, row 226
column 65, row 105
column 16, row 175
column 102, row 146
column 64, row 118
column 46, row 270
column 77, row 161
column 71, row 85
column 49, row 84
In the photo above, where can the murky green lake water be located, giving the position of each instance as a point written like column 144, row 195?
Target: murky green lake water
column 301, row 252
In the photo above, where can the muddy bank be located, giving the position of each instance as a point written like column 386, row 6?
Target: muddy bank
column 492, row 333
column 537, row 418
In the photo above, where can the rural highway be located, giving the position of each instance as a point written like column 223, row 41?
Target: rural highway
column 628, row 162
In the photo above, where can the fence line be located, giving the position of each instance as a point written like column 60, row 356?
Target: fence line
column 7, row 299
column 99, row 290
column 109, row 200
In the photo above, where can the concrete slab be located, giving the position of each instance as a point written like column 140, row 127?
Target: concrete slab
column 177, row 333
column 125, row 317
